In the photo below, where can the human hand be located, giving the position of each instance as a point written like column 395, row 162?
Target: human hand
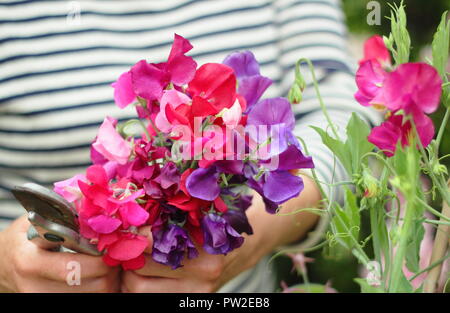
column 24, row 267
column 205, row 273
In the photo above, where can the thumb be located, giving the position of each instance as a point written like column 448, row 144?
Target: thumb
column 146, row 231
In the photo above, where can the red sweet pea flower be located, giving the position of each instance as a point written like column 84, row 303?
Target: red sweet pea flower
column 124, row 249
column 107, row 212
column 212, row 89
column 375, row 49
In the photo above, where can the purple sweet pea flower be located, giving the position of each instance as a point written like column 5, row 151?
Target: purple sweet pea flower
column 275, row 114
column 170, row 245
column 251, row 83
column 292, row 158
column 235, row 215
column 169, row 175
column 275, row 187
column 220, row 237
column 203, row 182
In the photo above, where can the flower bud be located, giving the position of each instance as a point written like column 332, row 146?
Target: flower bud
column 370, row 184
column 295, row 94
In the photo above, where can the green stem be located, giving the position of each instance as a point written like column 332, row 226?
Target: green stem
column 429, row 208
column 440, row 182
column 442, row 129
column 426, row 269
column 397, row 266
column 437, row 222
column 145, row 129
column 319, row 96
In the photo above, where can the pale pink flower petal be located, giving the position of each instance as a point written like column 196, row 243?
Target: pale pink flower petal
column 69, row 189
column 173, row 98
column 232, row 116
column 110, row 144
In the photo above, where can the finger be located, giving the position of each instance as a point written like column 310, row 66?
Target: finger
column 132, row 282
column 146, row 231
column 155, row 269
column 57, row 265
column 84, row 285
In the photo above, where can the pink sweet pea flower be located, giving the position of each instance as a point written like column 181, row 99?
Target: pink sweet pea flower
column 123, row 90
column 174, row 99
column 413, row 87
column 375, row 49
column 69, row 189
column 110, row 144
column 370, row 79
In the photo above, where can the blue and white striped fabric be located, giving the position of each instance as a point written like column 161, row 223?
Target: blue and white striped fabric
column 56, row 69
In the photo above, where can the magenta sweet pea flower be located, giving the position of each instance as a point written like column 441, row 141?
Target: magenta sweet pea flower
column 110, row 144
column 413, row 87
column 123, row 90
column 395, row 129
column 370, row 79
column 104, row 224
column 180, row 67
column 148, row 80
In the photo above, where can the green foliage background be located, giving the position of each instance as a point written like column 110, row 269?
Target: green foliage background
column 334, row 263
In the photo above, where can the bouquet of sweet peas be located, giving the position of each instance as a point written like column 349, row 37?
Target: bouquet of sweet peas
column 201, row 139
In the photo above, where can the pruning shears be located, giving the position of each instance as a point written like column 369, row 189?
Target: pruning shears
column 53, row 220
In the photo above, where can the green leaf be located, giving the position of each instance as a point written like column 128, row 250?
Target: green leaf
column 366, row 288
column 346, row 222
column 413, row 248
column 400, row 41
column 131, row 128
column 447, row 286
column 337, row 147
column 357, row 144
column 404, row 285
column 440, row 45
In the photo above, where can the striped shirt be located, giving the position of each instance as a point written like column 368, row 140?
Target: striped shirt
column 58, row 60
